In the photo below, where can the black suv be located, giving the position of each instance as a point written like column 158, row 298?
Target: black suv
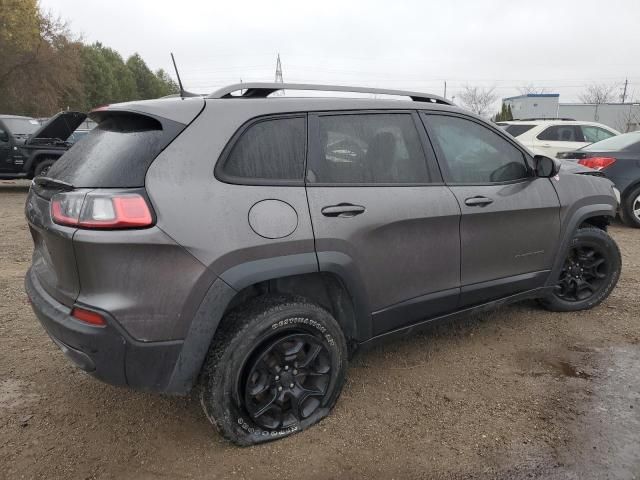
column 28, row 149
column 249, row 244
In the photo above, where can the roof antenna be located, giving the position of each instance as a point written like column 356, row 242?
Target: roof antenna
column 183, row 92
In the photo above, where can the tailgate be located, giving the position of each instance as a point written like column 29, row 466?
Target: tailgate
column 53, row 261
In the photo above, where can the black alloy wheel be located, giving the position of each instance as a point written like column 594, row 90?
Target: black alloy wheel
column 286, row 381
column 584, row 273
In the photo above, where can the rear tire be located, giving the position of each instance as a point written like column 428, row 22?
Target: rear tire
column 276, row 366
column 43, row 167
column 630, row 208
column 589, row 274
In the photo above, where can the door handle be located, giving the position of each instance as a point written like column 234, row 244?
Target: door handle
column 343, row 210
column 478, row 201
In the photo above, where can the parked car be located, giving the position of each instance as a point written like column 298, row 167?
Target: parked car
column 28, row 149
column 249, row 244
column 550, row 137
column 618, row 158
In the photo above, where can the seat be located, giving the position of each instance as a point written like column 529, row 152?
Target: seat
column 380, row 158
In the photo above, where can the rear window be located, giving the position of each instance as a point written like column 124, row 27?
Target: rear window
column 268, row 150
column 117, row 153
column 517, row 130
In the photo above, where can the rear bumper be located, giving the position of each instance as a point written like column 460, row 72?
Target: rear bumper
column 108, row 353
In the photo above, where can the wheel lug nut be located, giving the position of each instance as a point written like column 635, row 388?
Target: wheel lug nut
column 280, row 388
column 295, row 372
column 286, row 367
column 277, row 377
column 291, row 385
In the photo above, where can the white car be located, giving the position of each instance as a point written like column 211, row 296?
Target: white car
column 549, row 137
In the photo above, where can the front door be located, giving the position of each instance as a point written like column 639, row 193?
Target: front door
column 379, row 208
column 510, row 219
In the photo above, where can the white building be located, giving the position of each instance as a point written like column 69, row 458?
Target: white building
column 624, row 117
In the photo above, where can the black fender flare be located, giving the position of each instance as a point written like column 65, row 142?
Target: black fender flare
column 571, row 226
column 224, row 288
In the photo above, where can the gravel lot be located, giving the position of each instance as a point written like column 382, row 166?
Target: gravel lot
column 517, row 393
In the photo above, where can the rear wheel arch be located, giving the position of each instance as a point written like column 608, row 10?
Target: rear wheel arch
column 325, row 289
column 242, row 284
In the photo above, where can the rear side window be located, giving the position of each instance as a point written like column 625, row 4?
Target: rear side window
column 517, row 130
column 562, row 133
column 272, row 149
column 116, row 153
column 473, row 154
column 368, row 148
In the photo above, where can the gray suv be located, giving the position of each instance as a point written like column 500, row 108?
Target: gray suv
column 248, row 245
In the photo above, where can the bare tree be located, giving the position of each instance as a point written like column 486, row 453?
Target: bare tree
column 478, row 99
column 627, row 121
column 531, row 88
column 598, row 93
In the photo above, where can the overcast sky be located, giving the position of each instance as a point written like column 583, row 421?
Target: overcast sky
column 561, row 45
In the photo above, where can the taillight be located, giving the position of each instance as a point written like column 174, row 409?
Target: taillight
column 597, row 163
column 101, row 210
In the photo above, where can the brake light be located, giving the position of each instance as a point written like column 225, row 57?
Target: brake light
column 597, row 163
column 87, row 316
column 99, row 210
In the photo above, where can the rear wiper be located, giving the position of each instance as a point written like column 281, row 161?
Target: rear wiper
column 52, row 183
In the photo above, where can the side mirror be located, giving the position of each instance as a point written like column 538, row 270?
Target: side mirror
column 546, row 167
column 4, row 137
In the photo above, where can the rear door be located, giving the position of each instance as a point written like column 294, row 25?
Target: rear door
column 558, row 138
column 380, row 210
column 510, row 219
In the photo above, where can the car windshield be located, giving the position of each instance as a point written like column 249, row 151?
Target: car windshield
column 21, row 126
column 614, row 144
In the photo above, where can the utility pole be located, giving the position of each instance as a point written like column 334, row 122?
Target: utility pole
column 624, row 92
column 278, row 76
column 445, row 89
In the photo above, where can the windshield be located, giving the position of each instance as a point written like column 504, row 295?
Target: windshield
column 614, row 144
column 21, row 126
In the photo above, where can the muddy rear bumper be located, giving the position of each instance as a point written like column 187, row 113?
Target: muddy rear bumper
column 108, row 353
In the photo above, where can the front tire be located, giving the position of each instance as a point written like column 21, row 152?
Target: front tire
column 43, row 167
column 630, row 208
column 589, row 274
column 276, row 366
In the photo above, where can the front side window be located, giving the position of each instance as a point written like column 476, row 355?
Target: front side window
column 562, row 133
column 368, row 148
column 271, row 149
column 470, row 153
column 595, row 134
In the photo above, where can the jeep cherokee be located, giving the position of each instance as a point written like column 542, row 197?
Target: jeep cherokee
column 247, row 245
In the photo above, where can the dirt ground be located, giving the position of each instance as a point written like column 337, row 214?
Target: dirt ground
column 517, row 393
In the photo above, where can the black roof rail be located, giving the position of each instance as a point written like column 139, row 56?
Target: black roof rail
column 262, row 90
column 544, row 118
